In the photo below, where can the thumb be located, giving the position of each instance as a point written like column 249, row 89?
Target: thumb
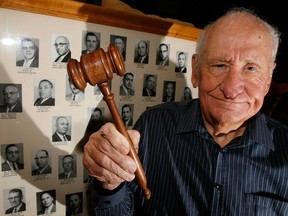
column 135, row 138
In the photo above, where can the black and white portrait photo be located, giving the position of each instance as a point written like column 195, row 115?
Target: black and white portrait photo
column 126, row 111
column 127, row 86
column 61, row 51
column 11, row 98
column 72, row 93
column 169, row 89
column 149, row 85
column 74, row 204
column 181, row 62
column 120, row 42
column 41, row 163
column 162, row 57
column 44, row 92
column 46, row 202
column 90, row 41
column 12, row 157
column 141, row 55
column 61, row 126
column 14, row 200
column 67, row 166
column 27, row 52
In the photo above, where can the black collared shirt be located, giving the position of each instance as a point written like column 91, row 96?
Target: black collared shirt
column 189, row 174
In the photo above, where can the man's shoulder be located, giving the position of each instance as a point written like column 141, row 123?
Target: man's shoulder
column 20, row 165
column 276, row 124
column 10, row 210
column 178, row 108
column 4, row 163
column 68, row 96
column 20, row 62
column 3, row 108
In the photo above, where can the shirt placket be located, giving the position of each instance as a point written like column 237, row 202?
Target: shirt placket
column 218, row 199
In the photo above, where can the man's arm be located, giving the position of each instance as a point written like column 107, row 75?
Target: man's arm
column 107, row 161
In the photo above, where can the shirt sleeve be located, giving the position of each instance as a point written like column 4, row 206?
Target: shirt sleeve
column 104, row 202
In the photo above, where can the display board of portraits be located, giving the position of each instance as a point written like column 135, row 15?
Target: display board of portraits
column 43, row 117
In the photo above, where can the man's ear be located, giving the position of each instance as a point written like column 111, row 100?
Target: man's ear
column 268, row 84
column 267, row 87
column 194, row 77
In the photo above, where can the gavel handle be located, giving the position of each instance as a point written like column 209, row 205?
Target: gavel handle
column 140, row 174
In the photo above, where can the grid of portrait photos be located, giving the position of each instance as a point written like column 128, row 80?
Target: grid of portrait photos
column 45, row 119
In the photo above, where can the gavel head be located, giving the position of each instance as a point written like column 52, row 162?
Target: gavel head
column 96, row 67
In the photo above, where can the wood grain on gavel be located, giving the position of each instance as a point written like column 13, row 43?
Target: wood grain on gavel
column 98, row 68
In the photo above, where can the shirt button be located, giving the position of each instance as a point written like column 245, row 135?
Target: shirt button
column 218, row 187
column 224, row 150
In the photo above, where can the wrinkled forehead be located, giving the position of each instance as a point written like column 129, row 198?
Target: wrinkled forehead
column 238, row 33
column 61, row 40
column 12, row 149
column 10, row 89
column 41, row 153
column 62, row 120
column 27, row 43
column 14, row 194
column 238, row 25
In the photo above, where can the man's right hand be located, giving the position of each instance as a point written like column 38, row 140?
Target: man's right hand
column 106, row 156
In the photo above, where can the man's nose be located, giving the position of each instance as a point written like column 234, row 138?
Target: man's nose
column 233, row 83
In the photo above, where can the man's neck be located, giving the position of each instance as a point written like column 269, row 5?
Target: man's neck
column 43, row 168
column 224, row 133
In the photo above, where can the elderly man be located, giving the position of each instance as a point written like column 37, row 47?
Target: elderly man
column 45, row 91
column 62, row 127
column 42, row 162
column 74, row 206
column 12, row 158
column 30, row 53
column 16, row 201
column 216, row 155
column 68, row 167
column 62, row 46
column 11, row 98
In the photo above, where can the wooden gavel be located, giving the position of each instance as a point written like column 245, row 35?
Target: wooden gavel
column 97, row 68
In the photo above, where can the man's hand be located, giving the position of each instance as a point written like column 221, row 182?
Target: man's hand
column 106, row 156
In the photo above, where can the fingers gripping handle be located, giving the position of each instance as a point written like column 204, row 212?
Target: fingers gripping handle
column 98, row 68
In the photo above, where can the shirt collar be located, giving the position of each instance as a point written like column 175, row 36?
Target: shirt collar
column 191, row 119
column 61, row 135
column 257, row 130
column 18, row 207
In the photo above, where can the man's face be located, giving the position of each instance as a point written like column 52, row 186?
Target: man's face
column 74, row 90
column 62, row 125
column 41, row 159
column 11, row 95
column 62, row 45
column 181, row 60
column 234, row 73
column 75, row 201
column 187, row 93
column 28, row 49
column 142, row 49
column 120, row 44
column 12, row 154
column 128, row 81
column 67, row 164
column 91, row 43
column 15, row 199
column 45, row 89
column 169, row 89
column 150, row 83
column 163, row 52
column 126, row 113
column 96, row 115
